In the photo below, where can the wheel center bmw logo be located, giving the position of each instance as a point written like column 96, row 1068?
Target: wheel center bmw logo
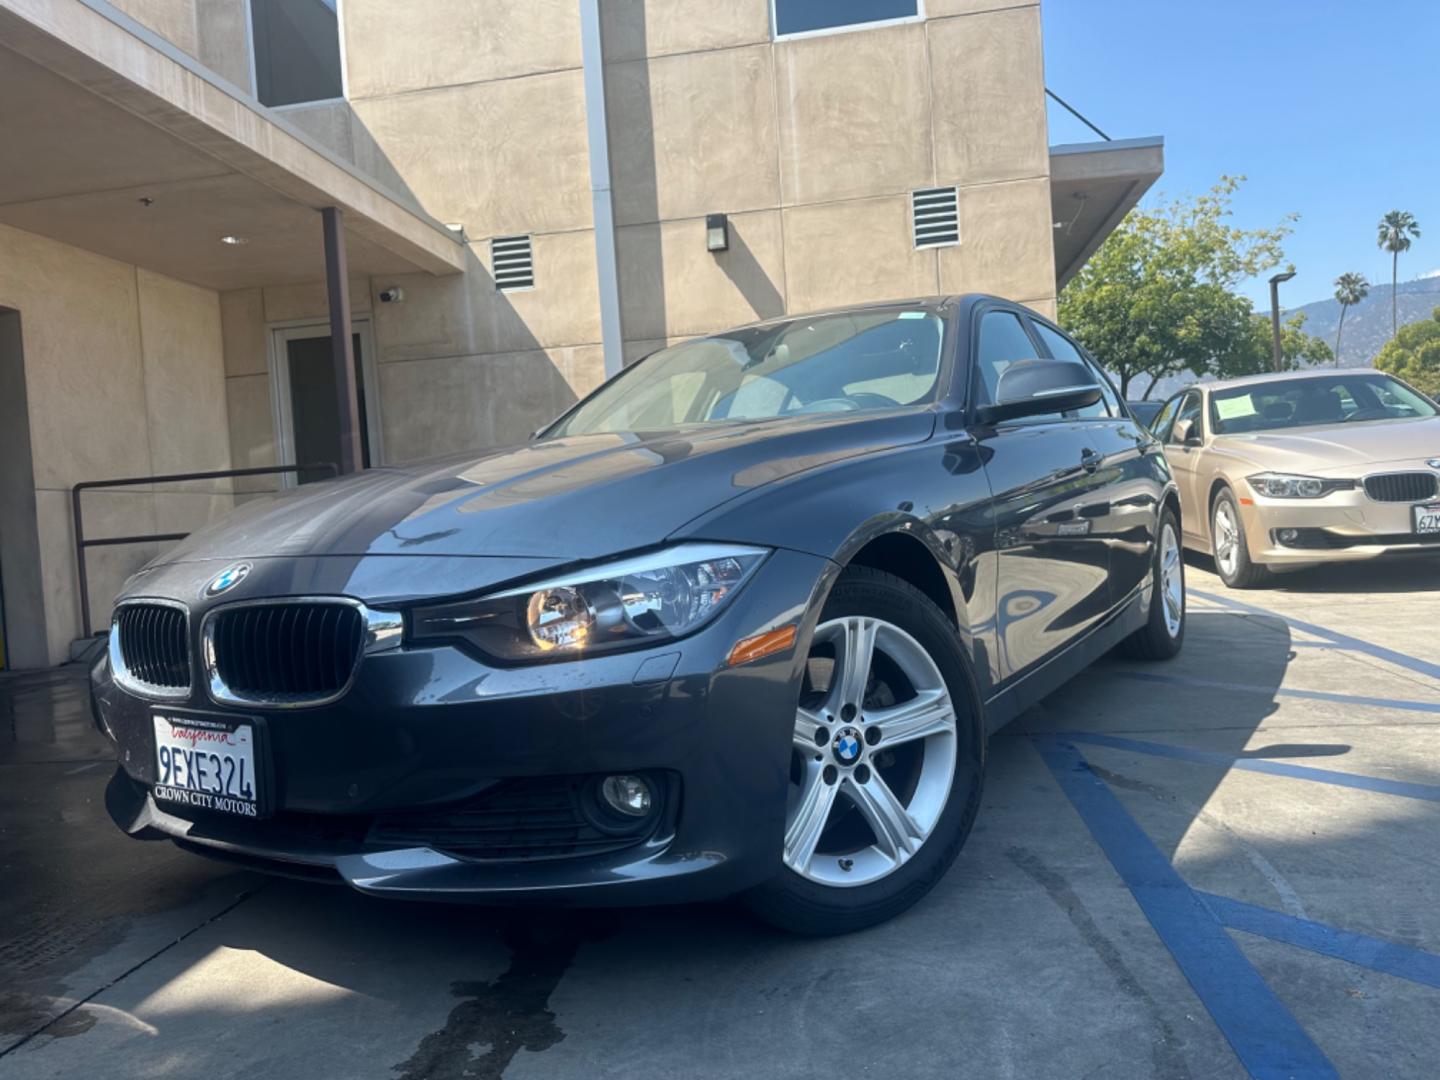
column 846, row 746
column 227, row 579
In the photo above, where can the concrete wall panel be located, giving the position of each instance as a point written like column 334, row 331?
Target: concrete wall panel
column 989, row 90
column 854, row 114
column 1006, row 244
column 854, row 252
column 692, row 135
column 499, row 157
column 637, row 28
column 242, row 323
column 674, row 287
column 184, row 376
column 393, row 49
column 251, row 423
column 451, row 404
column 173, row 20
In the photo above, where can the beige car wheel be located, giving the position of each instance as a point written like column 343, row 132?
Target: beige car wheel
column 1227, row 538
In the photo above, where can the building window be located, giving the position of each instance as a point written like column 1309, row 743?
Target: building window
column 297, row 51
column 792, row 17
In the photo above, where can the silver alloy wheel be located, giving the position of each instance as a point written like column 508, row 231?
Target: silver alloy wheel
column 1227, row 538
column 843, row 746
column 1172, row 582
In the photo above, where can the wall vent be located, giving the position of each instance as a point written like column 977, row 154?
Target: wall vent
column 512, row 262
column 935, row 213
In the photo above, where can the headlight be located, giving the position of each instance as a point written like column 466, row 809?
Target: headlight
column 1290, row 486
column 643, row 600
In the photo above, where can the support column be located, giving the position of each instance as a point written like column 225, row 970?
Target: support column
column 342, row 349
column 593, row 56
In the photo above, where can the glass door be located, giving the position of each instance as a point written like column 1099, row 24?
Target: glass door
column 307, row 412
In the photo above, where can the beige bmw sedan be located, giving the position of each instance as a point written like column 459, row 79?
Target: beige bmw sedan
column 1287, row 470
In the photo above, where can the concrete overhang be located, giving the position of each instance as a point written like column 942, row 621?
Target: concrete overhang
column 101, row 115
column 1092, row 187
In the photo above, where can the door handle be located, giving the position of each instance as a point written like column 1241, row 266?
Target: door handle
column 1090, row 460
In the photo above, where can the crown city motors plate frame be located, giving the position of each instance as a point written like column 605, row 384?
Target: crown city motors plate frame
column 212, row 762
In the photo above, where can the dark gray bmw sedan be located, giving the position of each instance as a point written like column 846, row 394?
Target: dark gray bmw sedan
column 738, row 623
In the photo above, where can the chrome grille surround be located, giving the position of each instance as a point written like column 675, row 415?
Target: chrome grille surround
column 141, row 645
column 356, row 631
column 1401, row 487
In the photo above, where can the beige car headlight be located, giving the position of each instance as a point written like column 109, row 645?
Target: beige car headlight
column 1292, row 486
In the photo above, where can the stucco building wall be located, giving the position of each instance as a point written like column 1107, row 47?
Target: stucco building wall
column 812, row 147
column 123, row 376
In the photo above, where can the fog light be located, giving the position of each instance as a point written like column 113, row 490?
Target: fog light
column 628, row 795
column 1288, row 536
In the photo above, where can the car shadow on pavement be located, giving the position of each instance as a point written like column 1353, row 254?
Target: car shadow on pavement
column 1396, row 574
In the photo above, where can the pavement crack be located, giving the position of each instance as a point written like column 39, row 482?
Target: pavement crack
column 498, row 1019
column 1167, row 1052
column 68, row 1023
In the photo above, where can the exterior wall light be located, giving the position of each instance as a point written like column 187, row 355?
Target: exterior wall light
column 234, row 241
column 717, row 232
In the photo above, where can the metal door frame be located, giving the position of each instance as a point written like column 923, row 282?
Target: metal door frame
column 281, row 333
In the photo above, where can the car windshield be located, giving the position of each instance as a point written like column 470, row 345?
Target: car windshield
column 1340, row 399
column 879, row 358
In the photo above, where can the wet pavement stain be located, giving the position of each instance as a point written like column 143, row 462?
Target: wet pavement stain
column 498, row 1019
column 24, row 1014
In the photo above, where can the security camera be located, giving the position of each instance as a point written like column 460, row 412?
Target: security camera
column 392, row 295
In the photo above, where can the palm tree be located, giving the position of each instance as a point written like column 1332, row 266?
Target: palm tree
column 1396, row 230
column 1349, row 289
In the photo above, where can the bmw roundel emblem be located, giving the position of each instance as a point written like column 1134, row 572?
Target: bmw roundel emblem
column 846, row 746
column 1434, row 463
column 227, row 579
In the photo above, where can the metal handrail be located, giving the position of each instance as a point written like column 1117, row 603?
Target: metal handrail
column 82, row 542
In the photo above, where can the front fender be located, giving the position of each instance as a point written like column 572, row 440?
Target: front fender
column 935, row 493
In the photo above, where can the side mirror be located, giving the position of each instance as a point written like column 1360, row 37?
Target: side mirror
column 1185, row 432
column 1037, row 387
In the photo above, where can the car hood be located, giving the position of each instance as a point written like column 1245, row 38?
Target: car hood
column 1341, row 449
column 575, row 498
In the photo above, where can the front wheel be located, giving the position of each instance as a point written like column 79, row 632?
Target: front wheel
column 887, row 761
column 1232, row 553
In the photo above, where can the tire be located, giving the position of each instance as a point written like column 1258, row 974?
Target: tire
column 841, row 871
column 1234, row 568
column 1164, row 631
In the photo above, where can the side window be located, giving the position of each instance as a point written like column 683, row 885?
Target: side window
column 1062, row 348
column 1160, row 426
column 1003, row 341
column 1189, row 410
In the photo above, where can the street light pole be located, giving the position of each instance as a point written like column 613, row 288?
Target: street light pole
column 1277, row 360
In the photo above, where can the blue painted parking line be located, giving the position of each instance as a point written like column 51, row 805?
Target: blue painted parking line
column 1380, row 652
column 1404, row 704
column 1269, row 1042
column 1402, row 788
column 1387, row 957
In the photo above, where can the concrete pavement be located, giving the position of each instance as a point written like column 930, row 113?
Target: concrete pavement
column 1276, row 788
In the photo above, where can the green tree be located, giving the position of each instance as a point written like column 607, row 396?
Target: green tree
column 1395, row 232
column 1158, row 297
column 1349, row 289
column 1257, row 355
column 1414, row 354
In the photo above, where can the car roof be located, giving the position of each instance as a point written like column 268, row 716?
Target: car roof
column 1282, row 376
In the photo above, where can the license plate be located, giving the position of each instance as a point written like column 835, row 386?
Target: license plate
column 1427, row 518
column 207, row 762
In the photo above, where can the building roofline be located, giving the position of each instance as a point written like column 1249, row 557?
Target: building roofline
column 173, row 52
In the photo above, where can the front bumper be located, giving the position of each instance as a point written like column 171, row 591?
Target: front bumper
column 435, row 728
column 1343, row 526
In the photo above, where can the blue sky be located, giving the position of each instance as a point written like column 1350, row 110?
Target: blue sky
column 1329, row 107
